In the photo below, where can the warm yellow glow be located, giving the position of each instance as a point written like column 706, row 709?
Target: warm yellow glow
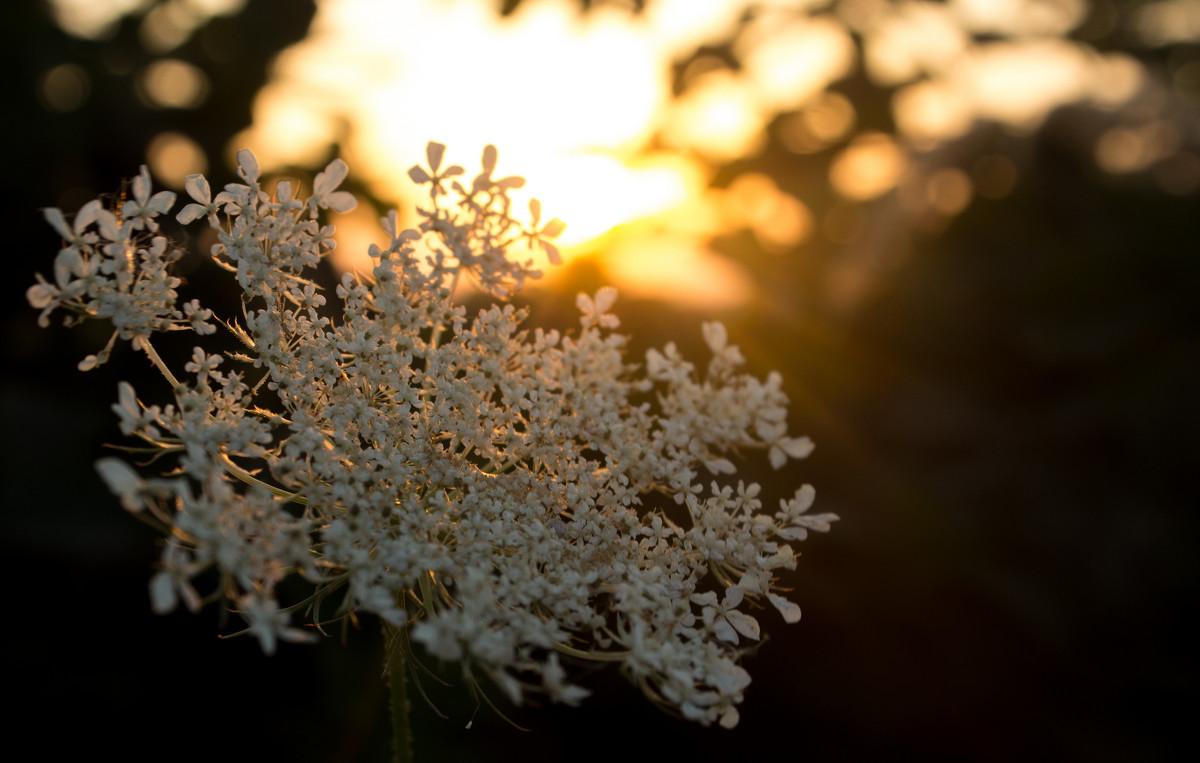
column 1018, row 83
column 1014, row 83
column 911, row 40
column 292, row 126
column 171, row 83
column 575, row 101
column 677, row 27
column 169, row 24
column 778, row 221
column 92, row 19
column 678, row 270
column 564, row 99
column 827, row 120
column 356, row 230
column 1131, row 148
column 1020, row 17
column 931, row 111
column 611, row 192
column 1168, row 22
column 572, row 102
column 868, row 167
column 1115, row 79
column 790, row 63
column 173, row 156
column 166, row 25
column 718, row 117
column 210, row 8
column 831, row 118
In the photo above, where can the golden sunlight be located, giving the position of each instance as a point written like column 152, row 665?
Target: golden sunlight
column 717, row 117
column 542, row 86
column 678, row 269
column 582, row 106
column 572, row 103
column 170, row 83
column 789, row 61
column 870, row 166
column 612, row 192
column 172, row 156
column 618, row 118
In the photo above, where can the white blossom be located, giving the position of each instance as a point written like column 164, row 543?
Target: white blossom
column 124, row 481
column 325, row 193
column 485, row 486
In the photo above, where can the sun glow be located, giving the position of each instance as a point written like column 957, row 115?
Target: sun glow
column 564, row 101
column 618, row 118
column 572, row 101
column 614, row 192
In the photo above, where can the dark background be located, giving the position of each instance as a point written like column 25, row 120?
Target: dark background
column 1006, row 423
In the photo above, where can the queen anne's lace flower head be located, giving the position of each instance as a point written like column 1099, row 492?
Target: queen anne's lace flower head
column 492, row 489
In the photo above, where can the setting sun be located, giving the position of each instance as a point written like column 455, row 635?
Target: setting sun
column 572, row 102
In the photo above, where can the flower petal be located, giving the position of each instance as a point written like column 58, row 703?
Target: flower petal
column 745, row 624
column 433, row 153
column 327, row 181
column 418, row 175
column 248, row 165
column 197, row 187
column 789, row 610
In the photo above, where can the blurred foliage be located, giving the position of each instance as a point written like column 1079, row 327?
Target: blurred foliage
column 1005, row 413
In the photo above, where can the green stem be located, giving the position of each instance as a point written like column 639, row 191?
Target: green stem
column 397, row 679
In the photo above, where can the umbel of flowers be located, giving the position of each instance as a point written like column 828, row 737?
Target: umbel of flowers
column 473, row 483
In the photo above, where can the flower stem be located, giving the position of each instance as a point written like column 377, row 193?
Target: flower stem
column 397, row 679
column 143, row 343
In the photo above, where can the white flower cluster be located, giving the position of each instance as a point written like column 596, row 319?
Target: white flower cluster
column 485, row 486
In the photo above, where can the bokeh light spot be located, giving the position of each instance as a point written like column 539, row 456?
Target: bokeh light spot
column 778, row 220
column 869, row 167
column 173, row 84
column 948, row 191
column 718, row 117
column 1018, row 83
column 827, row 120
column 613, row 194
column 1132, row 148
column 1115, row 78
column 789, row 64
column 1020, row 17
column 92, row 19
column 910, row 40
column 1168, row 21
column 678, row 270
column 171, row 23
column 64, row 88
column 931, row 111
column 172, row 156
